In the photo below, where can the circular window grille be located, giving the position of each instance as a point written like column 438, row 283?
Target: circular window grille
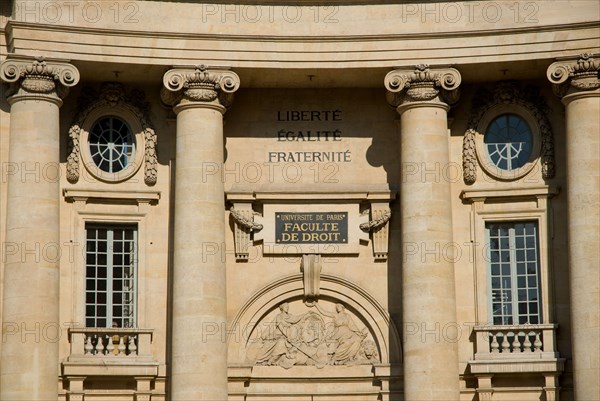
column 508, row 142
column 112, row 144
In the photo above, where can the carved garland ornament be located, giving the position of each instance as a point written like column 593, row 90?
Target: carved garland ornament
column 39, row 77
column 422, row 84
column 508, row 93
column 113, row 95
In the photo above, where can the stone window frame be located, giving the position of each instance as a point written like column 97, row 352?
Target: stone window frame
column 482, row 153
column 499, row 206
column 130, row 118
column 132, row 208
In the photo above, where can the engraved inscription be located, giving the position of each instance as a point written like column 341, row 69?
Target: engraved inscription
column 311, row 228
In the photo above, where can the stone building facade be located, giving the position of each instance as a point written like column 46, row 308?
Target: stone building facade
column 345, row 200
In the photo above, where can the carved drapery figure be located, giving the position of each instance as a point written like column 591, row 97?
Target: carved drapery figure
column 345, row 339
column 308, row 340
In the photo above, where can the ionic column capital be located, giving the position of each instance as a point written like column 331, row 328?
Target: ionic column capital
column 39, row 78
column 575, row 76
column 199, row 87
column 433, row 86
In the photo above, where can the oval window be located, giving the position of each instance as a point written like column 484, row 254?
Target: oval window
column 112, row 144
column 509, row 142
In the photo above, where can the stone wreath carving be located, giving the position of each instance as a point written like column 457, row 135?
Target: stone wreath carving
column 508, row 93
column 113, row 95
column 308, row 339
column 245, row 222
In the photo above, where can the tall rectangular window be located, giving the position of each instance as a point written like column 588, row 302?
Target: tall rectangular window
column 110, row 275
column 514, row 267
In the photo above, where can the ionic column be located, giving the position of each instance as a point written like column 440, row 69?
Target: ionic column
column 576, row 81
column 198, row 343
column 29, row 365
column 430, row 354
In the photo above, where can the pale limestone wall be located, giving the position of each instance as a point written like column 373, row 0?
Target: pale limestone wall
column 369, row 129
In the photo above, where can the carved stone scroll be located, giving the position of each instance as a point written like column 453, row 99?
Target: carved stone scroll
column 575, row 75
column 422, row 84
column 243, row 217
column 39, row 77
column 213, row 86
column 311, row 272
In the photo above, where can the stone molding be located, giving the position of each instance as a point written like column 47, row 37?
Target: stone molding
column 423, row 84
column 575, row 75
column 112, row 95
column 507, row 93
column 200, row 86
column 38, row 77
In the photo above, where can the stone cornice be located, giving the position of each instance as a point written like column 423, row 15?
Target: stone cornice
column 301, row 51
column 575, row 75
column 200, row 85
column 39, row 77
column 423, row 84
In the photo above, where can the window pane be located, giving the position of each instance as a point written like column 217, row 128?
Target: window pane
column 514, row 281
column 110, row 275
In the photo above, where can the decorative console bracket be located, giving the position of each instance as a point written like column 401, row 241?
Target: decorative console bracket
column 311, row 272
column 379, row 226
column 243, row 217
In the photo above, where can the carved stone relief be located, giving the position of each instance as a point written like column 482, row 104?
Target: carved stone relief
column 507, row 93
column 112, row 95
column 316, row 334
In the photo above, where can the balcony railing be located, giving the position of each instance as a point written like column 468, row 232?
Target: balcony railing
column 524, row 341
column 110, row 342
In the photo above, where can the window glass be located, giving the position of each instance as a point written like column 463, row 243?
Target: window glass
column 514, row 277
column 110, row 283
column 509, row 142
column 112, row 144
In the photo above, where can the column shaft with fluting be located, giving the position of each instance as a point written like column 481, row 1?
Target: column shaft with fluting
column 576, row 81
column 29, row 364
column 430, row 354
column 198, row 339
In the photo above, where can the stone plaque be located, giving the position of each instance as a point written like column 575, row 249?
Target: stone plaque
column 311, row 228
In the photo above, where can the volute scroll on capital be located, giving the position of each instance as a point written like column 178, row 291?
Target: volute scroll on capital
column 201, row 84
column 40, row 77
column 423, row 84
column 575, row 75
